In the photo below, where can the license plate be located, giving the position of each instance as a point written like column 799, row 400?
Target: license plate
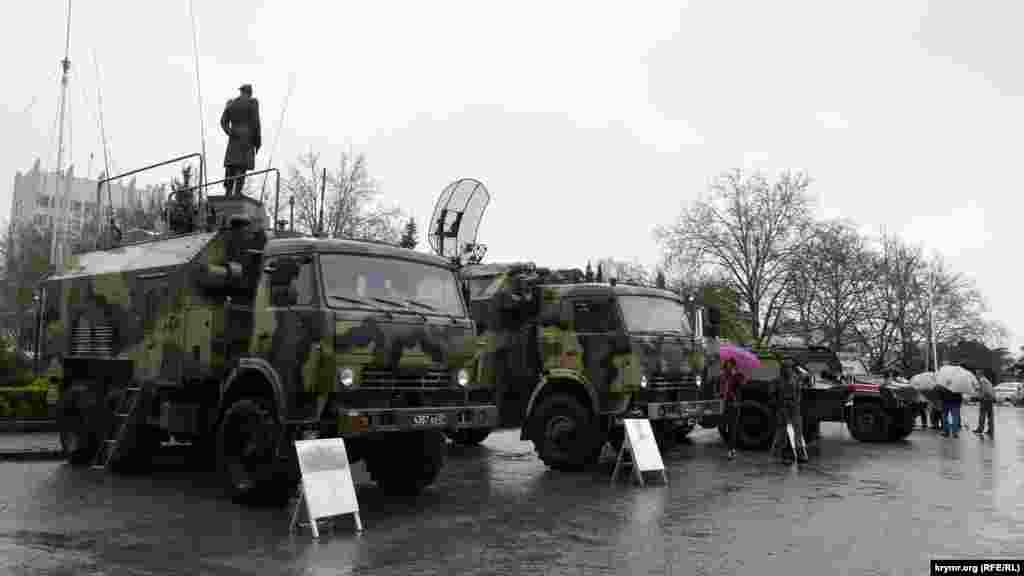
column 429, row 419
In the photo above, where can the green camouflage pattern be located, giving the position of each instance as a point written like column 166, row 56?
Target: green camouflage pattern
column 148, row 303
column 671, row 362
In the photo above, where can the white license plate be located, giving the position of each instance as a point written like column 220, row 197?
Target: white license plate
column 430, row 419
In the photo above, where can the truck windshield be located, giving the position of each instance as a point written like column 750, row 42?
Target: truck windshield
column 426, row 288
column 654, row 314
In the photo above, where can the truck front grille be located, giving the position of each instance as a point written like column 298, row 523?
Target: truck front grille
column 428, row 380
column 660, row 382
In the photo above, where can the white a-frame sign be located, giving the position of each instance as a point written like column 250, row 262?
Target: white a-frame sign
column 641, row 447
column 326, row 489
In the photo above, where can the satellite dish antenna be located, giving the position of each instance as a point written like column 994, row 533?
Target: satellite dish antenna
column 456, row 219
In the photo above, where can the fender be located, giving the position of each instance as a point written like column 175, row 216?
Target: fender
column 558, row 374
column 264, row 369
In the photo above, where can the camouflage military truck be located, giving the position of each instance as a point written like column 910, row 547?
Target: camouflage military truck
column 241, row 339
column 874, row 411
column 571, row 359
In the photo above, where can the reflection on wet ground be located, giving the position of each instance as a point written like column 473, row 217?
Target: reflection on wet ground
column 855, row 509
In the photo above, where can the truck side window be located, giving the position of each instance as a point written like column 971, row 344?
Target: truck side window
column 593, row 316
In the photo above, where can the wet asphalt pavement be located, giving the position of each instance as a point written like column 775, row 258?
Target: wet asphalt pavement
column 855, row 509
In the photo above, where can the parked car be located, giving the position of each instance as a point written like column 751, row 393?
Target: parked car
column 1009, row 392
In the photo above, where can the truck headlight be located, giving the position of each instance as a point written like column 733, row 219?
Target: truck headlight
column 462, row 378
column 643, row 380
column 346, row 377
column 699, row 380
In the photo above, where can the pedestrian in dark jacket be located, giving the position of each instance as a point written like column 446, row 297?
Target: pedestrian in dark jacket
column 986, row 402
column 731, row 382
column 241, row 122
column 789, row 414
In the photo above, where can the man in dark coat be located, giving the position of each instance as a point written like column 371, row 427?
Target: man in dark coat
column 788, row 412
column 241, row 122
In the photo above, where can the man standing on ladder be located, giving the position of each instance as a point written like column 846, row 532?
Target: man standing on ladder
column 241, row 122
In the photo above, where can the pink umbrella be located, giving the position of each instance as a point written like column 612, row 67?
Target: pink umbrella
column 746, row 360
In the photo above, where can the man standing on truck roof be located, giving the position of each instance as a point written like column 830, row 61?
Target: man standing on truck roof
column 241, row 122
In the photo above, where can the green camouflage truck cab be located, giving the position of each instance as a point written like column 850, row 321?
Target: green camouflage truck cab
column 571, row 359
column 240, row 340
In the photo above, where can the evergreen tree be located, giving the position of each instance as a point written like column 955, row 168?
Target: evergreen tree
column 659, row 280
column 589, row 273
column 409, row 237
column 600, row 273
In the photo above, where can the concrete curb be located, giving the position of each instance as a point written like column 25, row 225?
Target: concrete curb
column 14, row 426
column 25, row 455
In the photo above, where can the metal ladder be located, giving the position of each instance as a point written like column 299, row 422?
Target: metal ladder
column 124, row 415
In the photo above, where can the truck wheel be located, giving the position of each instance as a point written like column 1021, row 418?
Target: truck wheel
column 407, row 462
column 757, row 426
column 567, row 433
column 246, row 443
column 868, row 422
column 470, row 436
column 78, row 440
column 902, row 423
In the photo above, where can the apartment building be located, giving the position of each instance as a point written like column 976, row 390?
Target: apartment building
column 33, row 194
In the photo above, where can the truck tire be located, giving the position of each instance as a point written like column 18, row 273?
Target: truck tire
column 902, row 423
column 407, row 462
column 470, row 436
column 79, row 441
column 757, row 426
column 868, row 422
column 567, row 436
column 246, row 459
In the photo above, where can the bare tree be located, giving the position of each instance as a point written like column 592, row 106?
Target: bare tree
column 887, row 329
column 351, row 208
column 831, row 283
column 752, row 230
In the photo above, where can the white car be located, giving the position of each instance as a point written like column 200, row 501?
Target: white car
column 1009, row 392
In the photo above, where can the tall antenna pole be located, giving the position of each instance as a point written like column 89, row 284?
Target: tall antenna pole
column 106, row 157
column 277, row 135
column 55, row 253
column 199, row 93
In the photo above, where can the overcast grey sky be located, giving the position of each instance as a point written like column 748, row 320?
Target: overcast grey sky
column 590, row 122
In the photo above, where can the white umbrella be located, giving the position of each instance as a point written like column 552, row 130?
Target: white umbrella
column 956, row 380
column 923, row 381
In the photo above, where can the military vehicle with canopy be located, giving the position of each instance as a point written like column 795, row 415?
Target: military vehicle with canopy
column 240, row 338
column 570, row 359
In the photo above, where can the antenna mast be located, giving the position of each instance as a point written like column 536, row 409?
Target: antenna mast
column 199, row 94
column 106, row 157
column 56, row 251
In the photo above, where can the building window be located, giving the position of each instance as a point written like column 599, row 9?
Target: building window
column 43, row 201
column 76, row 205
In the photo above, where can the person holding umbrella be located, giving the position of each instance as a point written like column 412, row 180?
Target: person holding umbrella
column 953, row 382
column 731, row 381
column 789, row 423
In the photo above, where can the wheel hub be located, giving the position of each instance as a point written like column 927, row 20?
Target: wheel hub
column 561, row 431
